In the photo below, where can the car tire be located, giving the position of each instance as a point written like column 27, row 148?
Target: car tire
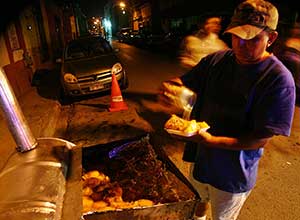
column 125, row 83
column 64, row 98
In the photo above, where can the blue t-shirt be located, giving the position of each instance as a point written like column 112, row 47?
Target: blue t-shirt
column 236, row 100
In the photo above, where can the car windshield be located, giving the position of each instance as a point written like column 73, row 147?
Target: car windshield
column 89, row 47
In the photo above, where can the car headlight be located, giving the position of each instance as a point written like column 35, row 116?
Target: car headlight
column 116, row 68
column 70, row 78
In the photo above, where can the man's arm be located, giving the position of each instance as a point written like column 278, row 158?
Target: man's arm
column 229, row 143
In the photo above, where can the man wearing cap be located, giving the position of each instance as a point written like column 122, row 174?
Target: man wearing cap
column 247, row 96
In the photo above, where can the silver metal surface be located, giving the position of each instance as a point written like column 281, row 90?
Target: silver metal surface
column 16, row 121
column 188, row 100
column 181, row 97
column 33, row 184
column 171, row 211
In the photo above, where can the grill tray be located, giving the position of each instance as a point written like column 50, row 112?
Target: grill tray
column 93, row 157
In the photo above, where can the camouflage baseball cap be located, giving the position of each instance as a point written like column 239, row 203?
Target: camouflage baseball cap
column 252, row 17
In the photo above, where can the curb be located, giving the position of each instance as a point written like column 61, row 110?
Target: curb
column 49, row 128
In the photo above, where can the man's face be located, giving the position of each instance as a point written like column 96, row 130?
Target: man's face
column 250, row 51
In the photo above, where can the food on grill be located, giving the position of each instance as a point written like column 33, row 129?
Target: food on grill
column 103, row 196
column 144, row 202
column 87, row 203
column 135, row 177
column 179, row 124
column 87, row 191
column 100, row 205
column 96, row 174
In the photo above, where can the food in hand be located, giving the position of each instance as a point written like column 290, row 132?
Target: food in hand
column 185, row 126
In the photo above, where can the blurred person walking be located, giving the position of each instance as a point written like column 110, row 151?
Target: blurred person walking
column 247, row 96
column 203, row 42
column 288, row 52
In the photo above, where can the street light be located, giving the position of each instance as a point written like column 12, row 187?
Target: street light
column 122, row 5
column 120, row 15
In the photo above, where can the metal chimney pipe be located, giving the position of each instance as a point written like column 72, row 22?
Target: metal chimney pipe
column 16, row 121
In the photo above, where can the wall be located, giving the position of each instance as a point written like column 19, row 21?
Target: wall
column 4, row 58
column 31, row 37
column 17, row 73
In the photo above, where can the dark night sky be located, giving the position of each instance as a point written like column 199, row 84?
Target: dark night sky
column 92, row 7
column 95, row 7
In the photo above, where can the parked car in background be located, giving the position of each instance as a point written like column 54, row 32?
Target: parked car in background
column 124, row 35
column 137, row 39
column 155, row 41
column 167, row 43
column 87, row 66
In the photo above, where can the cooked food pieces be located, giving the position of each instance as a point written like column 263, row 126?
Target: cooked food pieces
column 144, row 202
column 176, row 123
column 180, row 124
column 87, row 203
column 192, row 126
column 136, row 177
column 87, row 191
column 99, row 194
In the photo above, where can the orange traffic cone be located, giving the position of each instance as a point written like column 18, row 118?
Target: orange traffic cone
column 116, row 103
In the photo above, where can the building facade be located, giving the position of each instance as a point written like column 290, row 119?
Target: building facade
column 36, row 37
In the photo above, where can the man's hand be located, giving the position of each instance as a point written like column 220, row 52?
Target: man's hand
column 200, row 137
column 168, row 95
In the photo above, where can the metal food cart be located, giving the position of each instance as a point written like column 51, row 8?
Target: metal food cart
column 42, row 179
